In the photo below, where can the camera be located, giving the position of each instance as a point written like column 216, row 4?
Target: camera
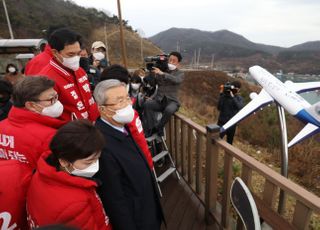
column 159, row 61
column 228, row 87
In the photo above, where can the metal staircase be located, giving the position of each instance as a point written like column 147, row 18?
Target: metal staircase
column 161, row 156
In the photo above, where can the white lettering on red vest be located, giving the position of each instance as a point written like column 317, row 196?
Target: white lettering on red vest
column 13, row 155
column 68, row 86
column 74, row 94
column 139, row 125
column 82, row 79
column 6, row 217
column 80, row 105
column 6, row 140
column 86, row 88
column 85, row 115
column 91, row 101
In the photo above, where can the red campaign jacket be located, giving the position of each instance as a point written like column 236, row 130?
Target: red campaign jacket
column 36, row 64
column 25, row 135
column 137, row 133
column 58, row 197
column 14, row 181
column 74, row 92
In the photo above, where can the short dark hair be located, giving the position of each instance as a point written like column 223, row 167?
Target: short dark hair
column 236, row 84
column 29, row 89
column 135, row 79
column 76, row 140
column 5, row 87
column 117, row 72
column 12, row 65
column 177, row 54
column 62, row 37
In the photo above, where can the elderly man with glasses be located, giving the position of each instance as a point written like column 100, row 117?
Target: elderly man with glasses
column 128, row 191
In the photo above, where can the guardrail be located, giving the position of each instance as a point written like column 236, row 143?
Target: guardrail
column 206, row 163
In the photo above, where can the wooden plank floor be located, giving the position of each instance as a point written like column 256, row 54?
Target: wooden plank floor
column 182, row 209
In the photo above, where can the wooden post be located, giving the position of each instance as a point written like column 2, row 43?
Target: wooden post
column 183, row 147
column 123, row 45
column 227, row 180
column 211, row 189
column 198, row 163
column 177, row 142
column 172, row 138
column 190, row 156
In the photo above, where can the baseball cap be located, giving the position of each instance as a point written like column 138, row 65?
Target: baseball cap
column 98, row 44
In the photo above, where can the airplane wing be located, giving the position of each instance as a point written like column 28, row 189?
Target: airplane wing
column 262, row 99
column 301, row 87
column 307, row 131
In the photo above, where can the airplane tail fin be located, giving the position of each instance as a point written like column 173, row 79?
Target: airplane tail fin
column 306, row 132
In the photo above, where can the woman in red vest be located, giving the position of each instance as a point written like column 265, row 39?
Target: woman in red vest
column 62, row 190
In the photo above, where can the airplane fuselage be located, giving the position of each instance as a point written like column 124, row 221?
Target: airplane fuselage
column 288, row 99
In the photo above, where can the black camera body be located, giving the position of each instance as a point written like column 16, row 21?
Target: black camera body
column 159, row 61
column 228, row 87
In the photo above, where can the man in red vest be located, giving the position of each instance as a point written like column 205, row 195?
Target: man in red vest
column 71, row 80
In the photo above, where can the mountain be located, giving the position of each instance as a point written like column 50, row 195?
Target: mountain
column 210, row 41
column 233, row 51
column 307, row 46
column 30, row 19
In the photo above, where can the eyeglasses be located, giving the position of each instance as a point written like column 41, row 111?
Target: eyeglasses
column 120, row 102
column 52, row 100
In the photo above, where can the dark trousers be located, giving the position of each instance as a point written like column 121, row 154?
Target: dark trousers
column 230, row 133
column 166, row 106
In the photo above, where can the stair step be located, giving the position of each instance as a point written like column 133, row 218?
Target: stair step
column 159, row 156
column 166, row 174
column 152, row 138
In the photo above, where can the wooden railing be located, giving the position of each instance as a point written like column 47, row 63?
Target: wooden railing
column 206, row 163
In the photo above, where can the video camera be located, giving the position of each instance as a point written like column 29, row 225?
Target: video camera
column 159, row 61
column 228, row 87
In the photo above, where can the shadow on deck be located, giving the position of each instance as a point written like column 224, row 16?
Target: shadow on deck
column 182, row 209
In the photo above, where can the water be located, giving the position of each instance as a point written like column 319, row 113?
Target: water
column 312, row 96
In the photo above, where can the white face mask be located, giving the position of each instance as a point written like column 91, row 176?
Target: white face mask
column 71, row 63
column 171, row 66
column 11, row 69
column 125, row 115
column 87, row 172
column 54, row 110
column 98, row 56
column 135, row 86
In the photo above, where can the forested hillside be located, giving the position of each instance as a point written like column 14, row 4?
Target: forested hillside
column 30, row 19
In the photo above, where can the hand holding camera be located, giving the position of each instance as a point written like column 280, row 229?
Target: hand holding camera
column 229, row 89
column 157, row 71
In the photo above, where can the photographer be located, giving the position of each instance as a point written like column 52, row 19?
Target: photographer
column 230, row 102
column 166, row 100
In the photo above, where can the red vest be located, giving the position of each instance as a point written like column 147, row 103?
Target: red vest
column 137, row 133
column 36, row 64
column 25, row 135
column 58, row 197
column 14, row 181
column 74, row 92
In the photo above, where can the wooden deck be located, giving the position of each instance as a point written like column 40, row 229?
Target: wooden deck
column 182, row 209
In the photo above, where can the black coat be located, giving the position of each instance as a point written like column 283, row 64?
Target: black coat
column 228, row 107
column 128, row 191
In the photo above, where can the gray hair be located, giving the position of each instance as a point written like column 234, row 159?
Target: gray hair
column 103, row 87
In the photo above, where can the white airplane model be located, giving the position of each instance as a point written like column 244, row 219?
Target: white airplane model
column 286, row 95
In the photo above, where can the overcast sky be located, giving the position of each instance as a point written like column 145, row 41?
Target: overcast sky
column 273, row 22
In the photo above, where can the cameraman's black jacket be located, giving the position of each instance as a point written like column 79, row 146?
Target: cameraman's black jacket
column 228, row 107
column 168, row 85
